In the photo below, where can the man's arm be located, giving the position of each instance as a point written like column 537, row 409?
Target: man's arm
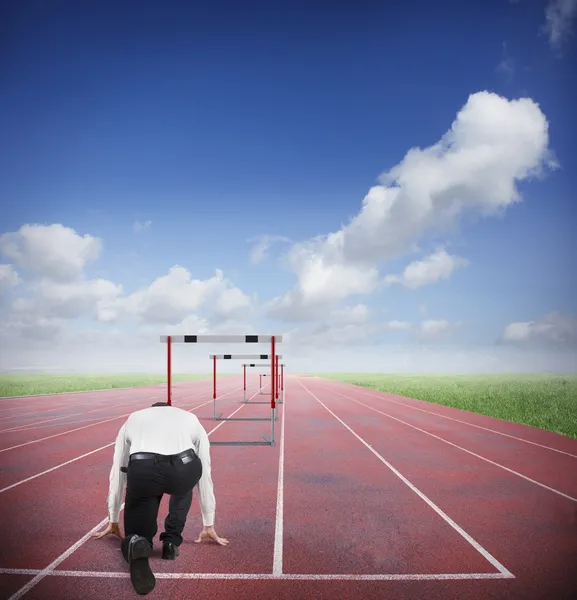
column 117, row 477
column 205, row 487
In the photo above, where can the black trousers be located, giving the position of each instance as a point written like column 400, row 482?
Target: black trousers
column 148, row 479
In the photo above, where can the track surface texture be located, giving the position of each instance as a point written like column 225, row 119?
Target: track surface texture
column 364, row 495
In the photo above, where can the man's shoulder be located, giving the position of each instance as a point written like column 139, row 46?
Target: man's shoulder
column 189, row 416
column 141, row 414
column 158, row 411
column 186, row 414
column 140, row 411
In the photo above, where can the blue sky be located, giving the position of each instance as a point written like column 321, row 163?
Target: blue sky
column 220, row 124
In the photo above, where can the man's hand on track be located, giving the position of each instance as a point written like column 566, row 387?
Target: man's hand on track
column 111, row 529
column 208, row 533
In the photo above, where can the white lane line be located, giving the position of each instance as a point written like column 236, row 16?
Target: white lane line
column 50, row 420
column 278, row 533
column 98, row 404
column 464, row 422
column 79, row 428
column 91, row 452
column 56, row 406
column 48, row 425
column 460, row 448
column 49, row 570
column 268, row 576
column 84, row 412
column 22, row 415
column 490, row 558
column 63, row 433
column 54, row 468
column 46, row 410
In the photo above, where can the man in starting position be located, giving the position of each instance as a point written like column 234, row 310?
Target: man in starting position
column 159, row 450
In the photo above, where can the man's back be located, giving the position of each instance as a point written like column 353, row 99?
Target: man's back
column 164, row 430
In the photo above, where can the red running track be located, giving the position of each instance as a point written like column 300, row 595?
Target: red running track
column 429, row 502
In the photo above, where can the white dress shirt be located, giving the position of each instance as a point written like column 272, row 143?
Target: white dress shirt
column 164, row 430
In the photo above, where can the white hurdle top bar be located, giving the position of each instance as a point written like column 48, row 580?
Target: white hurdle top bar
column 222, row 339
column 245, row 356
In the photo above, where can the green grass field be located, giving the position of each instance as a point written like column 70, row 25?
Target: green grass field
column 27, row 385
column 547, row 401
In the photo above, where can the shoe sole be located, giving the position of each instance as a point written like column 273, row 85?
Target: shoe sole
column 169, row 556
column 141, row 575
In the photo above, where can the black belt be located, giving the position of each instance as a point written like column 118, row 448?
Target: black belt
column 186, row 456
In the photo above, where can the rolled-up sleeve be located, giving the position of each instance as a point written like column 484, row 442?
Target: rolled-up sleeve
column 117, row 477
column 205, row 486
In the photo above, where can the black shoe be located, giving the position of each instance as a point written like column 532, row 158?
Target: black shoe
column 142, row 577
column 169, row 551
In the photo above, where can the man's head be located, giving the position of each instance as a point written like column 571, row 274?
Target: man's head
column 160, row 404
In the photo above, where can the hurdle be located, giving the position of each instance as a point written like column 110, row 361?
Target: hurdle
column 280, row 381
column 216, row 357
column 274, row 391
column 249, row 365
column 261, row 375
column 260, row 388
column 230, row 339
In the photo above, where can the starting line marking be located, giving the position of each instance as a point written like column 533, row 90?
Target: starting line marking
column 269, row 576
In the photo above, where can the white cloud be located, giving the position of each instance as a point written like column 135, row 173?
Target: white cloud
column 398, row 325
column 351, row 315
column 261, row 248
column 419, row 273
column 192, row 324
column 558, row 16
column 8, row 277
column 70, row 300
column 58, row 292
column 350, row 325
column 176, row 295
column 52, row 251
column 472, row 171
column 321, row 285
column 436, row 329
column 552, row 329
column 30, row 325
column 140, row 226
column 196, row 324
column 231, row 302
column 50, row 305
